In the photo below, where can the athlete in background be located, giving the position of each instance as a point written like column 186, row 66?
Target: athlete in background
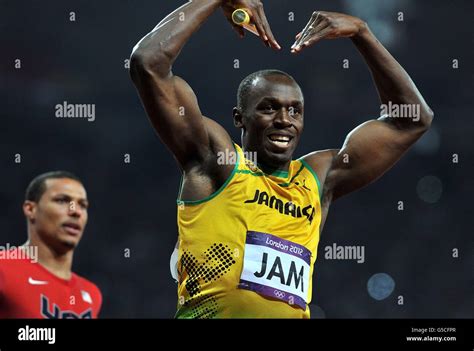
column 36, row 280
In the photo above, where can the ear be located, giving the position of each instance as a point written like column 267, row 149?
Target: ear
column 29, row 209
column 238, row 117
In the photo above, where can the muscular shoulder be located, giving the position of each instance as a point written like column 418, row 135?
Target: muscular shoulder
column 202, row 178
column 13, row 268
column 321, row 161
column 12, row 260
column 219, row 142
column 92, row 289
column 219, row 138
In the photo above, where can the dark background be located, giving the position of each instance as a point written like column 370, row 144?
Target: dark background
column 134, row 205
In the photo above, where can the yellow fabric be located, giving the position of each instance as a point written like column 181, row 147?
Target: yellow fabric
column 212, row 235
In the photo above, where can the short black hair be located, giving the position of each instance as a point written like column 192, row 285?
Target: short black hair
column 37, row 187
column 245, row 87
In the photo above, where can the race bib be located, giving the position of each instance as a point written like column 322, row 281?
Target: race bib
column 276, row 268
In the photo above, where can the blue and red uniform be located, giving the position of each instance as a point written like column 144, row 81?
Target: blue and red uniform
column 28, row 290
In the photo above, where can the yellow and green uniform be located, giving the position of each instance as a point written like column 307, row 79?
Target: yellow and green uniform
column 248, row 250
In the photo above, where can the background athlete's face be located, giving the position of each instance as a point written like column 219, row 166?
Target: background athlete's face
column 273, row 120
column 60, row 216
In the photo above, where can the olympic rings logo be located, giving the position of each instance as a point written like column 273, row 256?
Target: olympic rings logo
column 279, row 294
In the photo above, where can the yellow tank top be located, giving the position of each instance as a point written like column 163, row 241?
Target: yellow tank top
column 248, row 250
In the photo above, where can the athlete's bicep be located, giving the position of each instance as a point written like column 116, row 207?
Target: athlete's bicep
column 174, row 112
column 368, row 152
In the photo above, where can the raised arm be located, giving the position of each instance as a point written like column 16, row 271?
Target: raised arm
column 169, row 101
column 376, row 145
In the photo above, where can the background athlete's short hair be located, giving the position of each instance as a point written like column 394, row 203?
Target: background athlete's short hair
column 245, row 87
column 37, row 186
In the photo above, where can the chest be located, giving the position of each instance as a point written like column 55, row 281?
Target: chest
column 294, row 205
column 33, row 295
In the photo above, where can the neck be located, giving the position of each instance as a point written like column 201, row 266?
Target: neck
column 280, row 170
column 60, row 264
column 265, row 167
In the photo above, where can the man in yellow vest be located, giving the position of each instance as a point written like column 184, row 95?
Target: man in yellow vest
column 250, row 216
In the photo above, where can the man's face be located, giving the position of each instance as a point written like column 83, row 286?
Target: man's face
column 60, row 216
column 273, row 120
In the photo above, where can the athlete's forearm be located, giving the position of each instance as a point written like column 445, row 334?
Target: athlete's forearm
column 159, row 49
column 392, row 81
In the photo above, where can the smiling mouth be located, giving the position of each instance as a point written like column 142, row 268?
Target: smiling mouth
column 281, row 141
